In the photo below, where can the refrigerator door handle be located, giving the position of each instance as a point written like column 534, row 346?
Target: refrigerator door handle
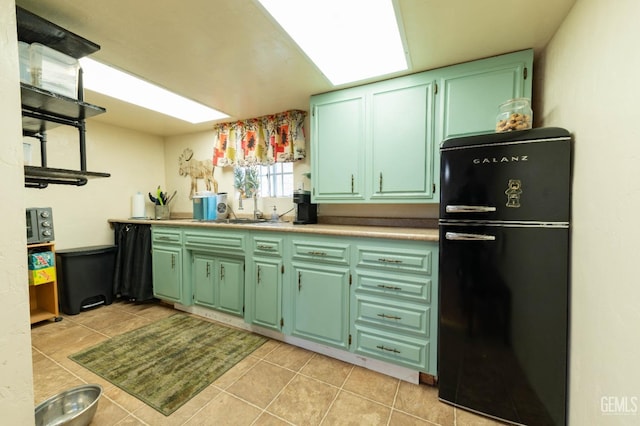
column 470, row 209
column 461, row 236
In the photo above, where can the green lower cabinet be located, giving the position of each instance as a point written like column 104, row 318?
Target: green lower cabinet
column 167, row 273
column 266, row 306
column 231, row 285
column 203, row 280
column 396, row 348
column 394, row 310
column 321, row 304
column 218, row 282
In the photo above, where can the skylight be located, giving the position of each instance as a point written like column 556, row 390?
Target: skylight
column 126, row 87
column 348, row 40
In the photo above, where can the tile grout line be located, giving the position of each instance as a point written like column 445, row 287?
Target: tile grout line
column 340, row 389
column 264, row 410
column 393, row 403
column 225, row 391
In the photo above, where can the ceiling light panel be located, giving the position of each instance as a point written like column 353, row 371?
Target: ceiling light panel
column 348, row 40
column 126, row 87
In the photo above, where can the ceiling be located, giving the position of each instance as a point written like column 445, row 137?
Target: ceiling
column 230, row 55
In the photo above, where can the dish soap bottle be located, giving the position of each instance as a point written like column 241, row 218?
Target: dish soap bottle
column 274, row 215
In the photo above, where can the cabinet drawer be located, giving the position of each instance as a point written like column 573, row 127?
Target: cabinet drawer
column 317, row 251
column 406, row 351
column 166, row 236
column 402, row 317
column 268, row 246
column 417, row 288
column 394, row 258
column 215, row 241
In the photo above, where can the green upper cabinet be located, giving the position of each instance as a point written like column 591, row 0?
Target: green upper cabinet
column 470, row 93
column 374, row 143
column 379, row 143
column 338, row 149
column 402, row 113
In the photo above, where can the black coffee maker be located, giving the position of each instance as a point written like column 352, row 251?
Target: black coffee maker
column 306, row 212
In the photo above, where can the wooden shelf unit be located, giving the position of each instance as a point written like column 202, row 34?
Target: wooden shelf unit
column 43, row 298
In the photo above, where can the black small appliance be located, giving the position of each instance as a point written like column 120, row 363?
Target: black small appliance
column 306, row 212
column 39, row 225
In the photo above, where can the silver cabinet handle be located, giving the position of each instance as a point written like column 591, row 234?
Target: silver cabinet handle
column 264, row 247
column 394, row 317
column 384, row 260
column 389, row 287
column 384, row 348
column 469, row 209
column 460, row 236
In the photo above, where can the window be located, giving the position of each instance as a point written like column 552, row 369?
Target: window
column 276, row 180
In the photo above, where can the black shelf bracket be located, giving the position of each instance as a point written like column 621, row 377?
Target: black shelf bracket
column 43, row 110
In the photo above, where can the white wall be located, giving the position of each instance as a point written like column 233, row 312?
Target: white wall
column 135, row 161
column 588, row 76
column 16, row 374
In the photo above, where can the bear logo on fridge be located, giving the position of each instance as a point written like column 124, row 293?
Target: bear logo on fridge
column 513, row 191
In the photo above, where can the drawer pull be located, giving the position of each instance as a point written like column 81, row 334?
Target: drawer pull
column 389, row 287
column 381, row 347
column 164, row 238
column 263, row 247
column 258, row 281
column 317, row 253
column 383, row 260
column 389, row 316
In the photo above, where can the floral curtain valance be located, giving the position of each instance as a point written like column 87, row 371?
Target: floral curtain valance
column 264, row 140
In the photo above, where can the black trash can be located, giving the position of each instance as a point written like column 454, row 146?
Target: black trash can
column 85, row 277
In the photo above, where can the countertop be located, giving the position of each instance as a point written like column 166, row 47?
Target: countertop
column 390, row 232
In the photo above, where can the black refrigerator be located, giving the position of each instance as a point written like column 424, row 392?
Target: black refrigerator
column 504, row 274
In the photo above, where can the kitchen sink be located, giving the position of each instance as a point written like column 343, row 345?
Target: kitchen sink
column 240, row 220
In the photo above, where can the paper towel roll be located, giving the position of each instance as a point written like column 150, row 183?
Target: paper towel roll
column 137, row 206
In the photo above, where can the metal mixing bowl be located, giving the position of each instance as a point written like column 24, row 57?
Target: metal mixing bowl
column 73, row 407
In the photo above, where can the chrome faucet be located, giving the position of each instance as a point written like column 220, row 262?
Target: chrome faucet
column 257, row 214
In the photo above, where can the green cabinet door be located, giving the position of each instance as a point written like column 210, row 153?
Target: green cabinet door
column 218, row 283
column 167, row 273
column 337, row 150
column 402, row 140
column 204, row 291
column 470, row 93
column 267, row 297
column 230, row 276
column 321, row 304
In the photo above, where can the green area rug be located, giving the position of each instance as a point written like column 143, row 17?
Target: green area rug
column 167, row 363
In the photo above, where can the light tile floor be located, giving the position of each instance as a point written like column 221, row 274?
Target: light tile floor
column 278, row 384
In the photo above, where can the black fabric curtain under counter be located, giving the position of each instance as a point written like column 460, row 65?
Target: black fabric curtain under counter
column 133, row 278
